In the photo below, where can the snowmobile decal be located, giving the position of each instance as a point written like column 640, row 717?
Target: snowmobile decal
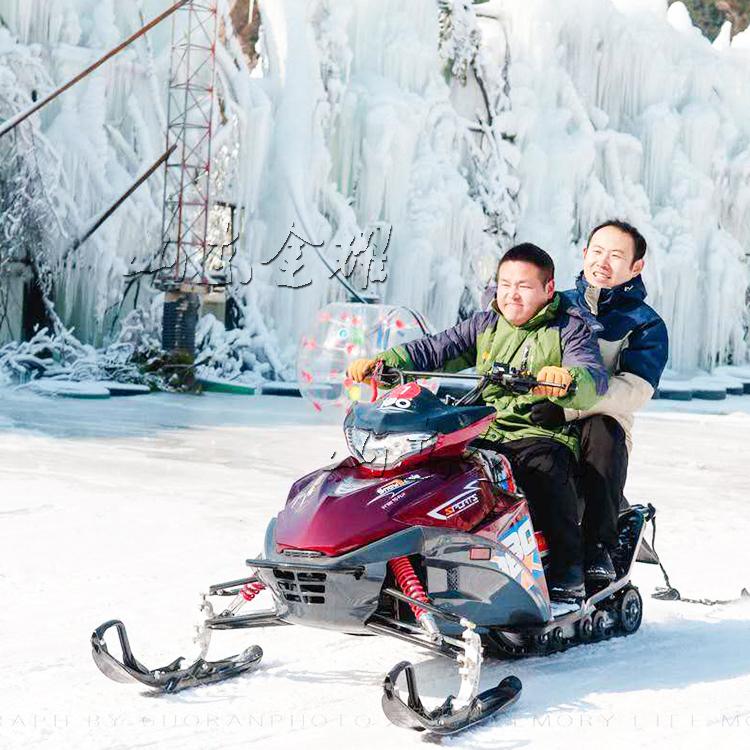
column 399, row 484
column 458, row 504
column 392, row 500
column 401, row 396
column 302, row 497
column 520, row 540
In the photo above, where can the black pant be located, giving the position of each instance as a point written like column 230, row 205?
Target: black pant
column 546, row 472
column 604, row 468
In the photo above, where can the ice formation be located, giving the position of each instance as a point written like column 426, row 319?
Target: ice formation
column 462, row 126
column 635, row 114
column 94, row 141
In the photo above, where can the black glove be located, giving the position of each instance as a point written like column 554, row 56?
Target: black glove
column 546, row 414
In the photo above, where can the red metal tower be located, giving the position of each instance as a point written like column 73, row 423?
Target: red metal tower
column 186, row 272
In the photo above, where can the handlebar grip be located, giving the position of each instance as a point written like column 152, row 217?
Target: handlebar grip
column 389, row 376
column 569, row 392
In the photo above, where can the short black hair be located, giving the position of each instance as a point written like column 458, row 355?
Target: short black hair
column 529, row 253
column 639, row 242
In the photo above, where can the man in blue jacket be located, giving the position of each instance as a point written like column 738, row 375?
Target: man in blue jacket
column 634, row 346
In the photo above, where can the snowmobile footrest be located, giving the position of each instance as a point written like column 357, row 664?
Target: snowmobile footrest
column 443, row 720
column 173, row 676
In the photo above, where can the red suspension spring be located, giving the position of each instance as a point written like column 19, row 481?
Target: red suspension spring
column 250, row 590
column 409, row 583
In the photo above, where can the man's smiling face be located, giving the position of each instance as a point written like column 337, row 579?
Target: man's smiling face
column 522, row 291
column 608, row 260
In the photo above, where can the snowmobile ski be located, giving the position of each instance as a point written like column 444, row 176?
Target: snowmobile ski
column 445, row 719
column 172, row 677
column 456, row 713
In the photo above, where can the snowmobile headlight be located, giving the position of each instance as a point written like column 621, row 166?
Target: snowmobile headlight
column 387, row 451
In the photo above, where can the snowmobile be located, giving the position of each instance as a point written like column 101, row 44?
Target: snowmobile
column 418, row 536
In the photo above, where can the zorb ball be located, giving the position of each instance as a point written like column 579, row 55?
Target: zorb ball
column 341, row 333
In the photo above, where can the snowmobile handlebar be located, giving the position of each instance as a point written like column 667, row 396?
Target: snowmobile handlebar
column 515, row 381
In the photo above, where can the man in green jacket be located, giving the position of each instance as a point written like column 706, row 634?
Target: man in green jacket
column 528, row 327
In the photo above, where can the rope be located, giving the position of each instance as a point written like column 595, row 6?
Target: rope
column 670, row 593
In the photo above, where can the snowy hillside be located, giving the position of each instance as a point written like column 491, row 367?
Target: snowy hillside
column 463, row 126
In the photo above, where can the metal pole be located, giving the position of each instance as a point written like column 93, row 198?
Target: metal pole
column 169, row 124
column 104, row 216
column 183, row 140
column 18, row 119
column 210, row 134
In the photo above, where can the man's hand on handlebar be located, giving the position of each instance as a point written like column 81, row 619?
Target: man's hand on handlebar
column 360, row 369
column 561, row 378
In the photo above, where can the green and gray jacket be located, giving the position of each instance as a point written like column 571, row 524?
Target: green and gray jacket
column 556, row 335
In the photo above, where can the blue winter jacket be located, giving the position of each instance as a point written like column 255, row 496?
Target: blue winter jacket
column 634, row 345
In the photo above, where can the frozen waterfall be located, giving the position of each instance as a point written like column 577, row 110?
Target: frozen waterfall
column 464, row 127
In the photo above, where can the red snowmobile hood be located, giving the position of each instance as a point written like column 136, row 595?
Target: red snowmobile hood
column 336, row 510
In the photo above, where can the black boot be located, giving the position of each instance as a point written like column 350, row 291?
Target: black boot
column 566, row 584
column 599, row 567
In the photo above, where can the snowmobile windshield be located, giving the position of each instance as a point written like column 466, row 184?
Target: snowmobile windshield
column 412, row 408
column 404, row 423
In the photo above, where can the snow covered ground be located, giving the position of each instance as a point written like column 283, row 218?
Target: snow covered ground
column 129, row 507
